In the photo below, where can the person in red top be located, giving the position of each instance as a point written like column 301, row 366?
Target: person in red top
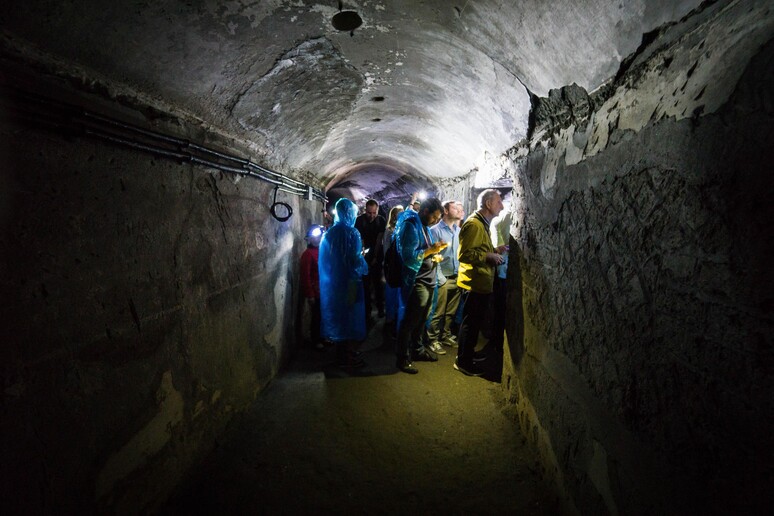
column 310, row 285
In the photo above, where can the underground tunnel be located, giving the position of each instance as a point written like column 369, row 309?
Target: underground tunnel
column 162, row 161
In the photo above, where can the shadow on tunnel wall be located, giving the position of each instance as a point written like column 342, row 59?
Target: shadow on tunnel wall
column 146, row 302
column 514, row 325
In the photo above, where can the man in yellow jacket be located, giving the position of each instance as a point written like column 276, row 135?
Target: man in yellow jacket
column 478, row 259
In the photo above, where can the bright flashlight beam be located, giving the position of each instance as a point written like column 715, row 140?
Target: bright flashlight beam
column 422, row 195
column 316, row 232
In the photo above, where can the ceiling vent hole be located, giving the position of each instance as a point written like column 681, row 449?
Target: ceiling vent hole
column 346, row 21
column 376, row 120
column 377, row 99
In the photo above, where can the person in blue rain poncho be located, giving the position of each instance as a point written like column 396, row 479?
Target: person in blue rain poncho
column 419, row 254
column 342, row 304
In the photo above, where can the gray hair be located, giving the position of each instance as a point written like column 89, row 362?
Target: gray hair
column 485, row 196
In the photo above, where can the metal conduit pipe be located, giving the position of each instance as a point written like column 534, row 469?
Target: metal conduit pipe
column 102, row 127
column 299, row 187
column 135, row 145
column 187, row 143
column 288, row 184
column 187, row 157
column 123, row 125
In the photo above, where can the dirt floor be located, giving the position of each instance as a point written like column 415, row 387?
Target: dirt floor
column 319, row 440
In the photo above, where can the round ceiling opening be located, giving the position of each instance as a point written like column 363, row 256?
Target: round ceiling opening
column 346, row 21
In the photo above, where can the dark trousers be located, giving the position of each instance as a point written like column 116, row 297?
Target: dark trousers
column 445, row 309
column 413, row 324
column 473, row 314
column 372, row 284
column 314, row 324
column 498, row 313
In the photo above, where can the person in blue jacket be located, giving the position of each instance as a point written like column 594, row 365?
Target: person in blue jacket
column 341, row 266
column 419, row 254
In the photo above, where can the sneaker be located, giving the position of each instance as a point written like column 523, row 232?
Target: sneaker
column 450, row 341
column 470, row 370
column 425, row 356
column 436, row 348
column 479, row 356
column 406, row 366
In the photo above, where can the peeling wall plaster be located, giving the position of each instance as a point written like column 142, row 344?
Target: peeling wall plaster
column 678, row 82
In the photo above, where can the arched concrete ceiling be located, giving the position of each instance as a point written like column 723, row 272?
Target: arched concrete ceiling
column 426, row 87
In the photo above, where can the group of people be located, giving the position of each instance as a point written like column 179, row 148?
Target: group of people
column 442, row 259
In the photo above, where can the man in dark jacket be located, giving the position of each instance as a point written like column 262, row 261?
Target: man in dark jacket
column 370, row 225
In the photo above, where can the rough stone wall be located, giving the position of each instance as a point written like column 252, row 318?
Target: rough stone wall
column 640, row 284
column 459, row 190
column 145, row 302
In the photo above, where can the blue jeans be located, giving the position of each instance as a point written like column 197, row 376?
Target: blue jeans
column 413, row 324
column 448, row 301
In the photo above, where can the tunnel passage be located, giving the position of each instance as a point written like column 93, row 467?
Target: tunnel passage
column 151, row 299
column 388, row 184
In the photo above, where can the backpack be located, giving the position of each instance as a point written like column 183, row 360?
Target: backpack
column 393, row 265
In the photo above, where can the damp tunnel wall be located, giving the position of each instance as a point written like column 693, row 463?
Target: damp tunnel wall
column 640, row 308
column 150, row 300
column 146, row 302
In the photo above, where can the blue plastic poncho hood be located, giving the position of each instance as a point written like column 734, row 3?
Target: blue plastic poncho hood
column 346, row 212
column 411, row 244
column 341, row 266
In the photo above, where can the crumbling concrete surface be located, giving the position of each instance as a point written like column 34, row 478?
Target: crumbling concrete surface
column 641, row 327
